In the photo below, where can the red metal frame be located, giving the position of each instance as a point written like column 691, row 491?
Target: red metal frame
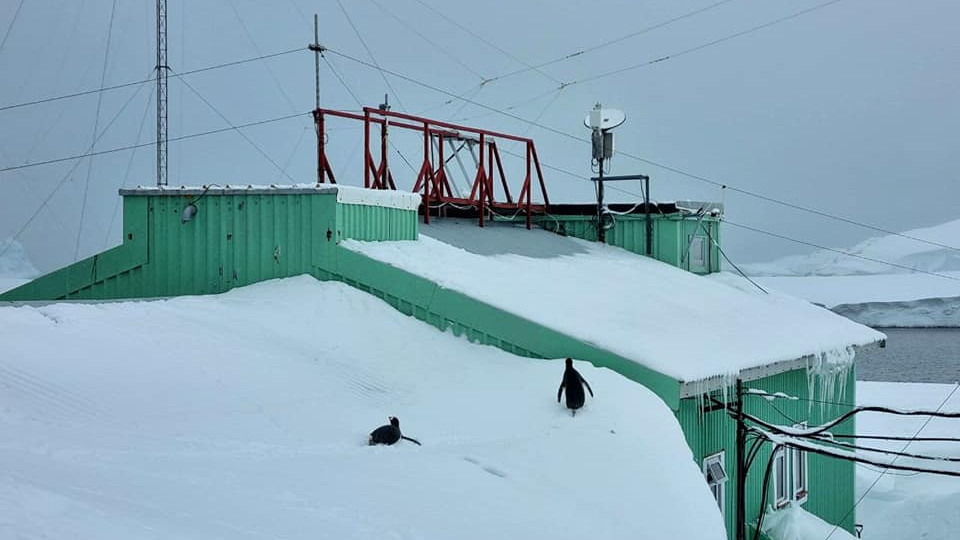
column 432, row 182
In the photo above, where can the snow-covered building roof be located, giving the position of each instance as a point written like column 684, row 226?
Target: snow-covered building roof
column 247, row 414
column 685, row 326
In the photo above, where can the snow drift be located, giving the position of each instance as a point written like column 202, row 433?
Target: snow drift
column 245, row 415
column 15, row 266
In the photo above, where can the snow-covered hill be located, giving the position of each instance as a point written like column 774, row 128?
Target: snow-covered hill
column 15, row 266
column 878, row 294
column 891, row 248
column 245, row 415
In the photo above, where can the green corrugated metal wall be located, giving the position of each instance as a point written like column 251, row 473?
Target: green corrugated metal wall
column 234, row 240
column 671, row 235
column 831, row 490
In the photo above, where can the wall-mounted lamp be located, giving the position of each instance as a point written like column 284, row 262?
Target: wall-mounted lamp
column 188, row 213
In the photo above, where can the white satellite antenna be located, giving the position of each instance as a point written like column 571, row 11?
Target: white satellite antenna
column 601, row 122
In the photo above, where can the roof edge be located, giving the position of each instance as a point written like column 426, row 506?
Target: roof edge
column 716, row 382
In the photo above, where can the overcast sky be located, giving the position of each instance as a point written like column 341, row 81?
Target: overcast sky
column 852, row 108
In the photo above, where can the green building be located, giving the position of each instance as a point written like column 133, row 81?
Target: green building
column 191, row 241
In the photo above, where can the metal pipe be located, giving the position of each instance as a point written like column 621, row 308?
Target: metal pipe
column 646, row 208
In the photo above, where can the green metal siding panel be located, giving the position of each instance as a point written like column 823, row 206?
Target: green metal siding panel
column 831, row 481
column 670, row 235
column 708, row 433
column 371, row 223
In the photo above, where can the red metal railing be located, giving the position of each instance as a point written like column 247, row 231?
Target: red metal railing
column 432, row 181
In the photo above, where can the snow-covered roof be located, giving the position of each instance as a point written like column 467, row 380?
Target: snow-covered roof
column 682, row 325
column 247, row 414
column 404, row 200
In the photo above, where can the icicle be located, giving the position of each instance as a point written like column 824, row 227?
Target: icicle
column 825, row 370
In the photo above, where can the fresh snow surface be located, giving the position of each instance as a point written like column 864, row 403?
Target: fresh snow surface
column 795, row 523
column 903, row 504
column 890, row 248
column 245, row 415
column 390, row 198
column 685, row 326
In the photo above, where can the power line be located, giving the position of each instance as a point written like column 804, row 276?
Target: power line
column 96, row 125
column 494, row 45
column 428, row 40
column 709, row 43
column 126, row 173
column 676, row 170
column 370, row 54
column 864, row 495
column 242, row 134
column 13, row 21
column 610, row 42
column 152, row 79
column 256, row 48
column 842, row 252
column 141, row 145
column 69, row 171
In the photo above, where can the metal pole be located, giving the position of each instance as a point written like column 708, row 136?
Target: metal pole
column 162, row 71
column 646, row 208
column 317, row 115
column 741, row 475
column 316, row 55
column 601, row 234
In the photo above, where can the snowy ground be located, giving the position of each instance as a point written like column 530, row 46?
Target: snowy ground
column 903, row 504
column 245, row 415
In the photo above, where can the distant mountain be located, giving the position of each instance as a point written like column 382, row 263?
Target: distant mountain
column 891, row 248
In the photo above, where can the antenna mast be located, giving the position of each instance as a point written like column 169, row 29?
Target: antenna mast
column 162, row 70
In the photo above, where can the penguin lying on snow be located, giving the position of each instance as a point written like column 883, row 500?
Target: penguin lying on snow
column 389, row 434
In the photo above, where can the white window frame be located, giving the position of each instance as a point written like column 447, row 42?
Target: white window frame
column 781, row 483
column 801, row 472
column 719, row 489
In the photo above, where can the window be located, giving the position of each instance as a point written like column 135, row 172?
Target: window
column 800, row 484
column 781, row 480
column 716, row 475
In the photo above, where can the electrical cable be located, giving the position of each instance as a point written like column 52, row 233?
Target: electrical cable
column 126, row 174
column 707, row 44
column 241, row 133
column 864, row 495
column 494, row 45
column 141, row 145
column 13, row 21
column 733, row 264
column 96, row 126
column 842, row 252
column 152, row 79
column 70, row 171
column 246, row 31
column 428, row 40
column 612, row 41
column 851, row 446
column 370, row 54
column 655, row 163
